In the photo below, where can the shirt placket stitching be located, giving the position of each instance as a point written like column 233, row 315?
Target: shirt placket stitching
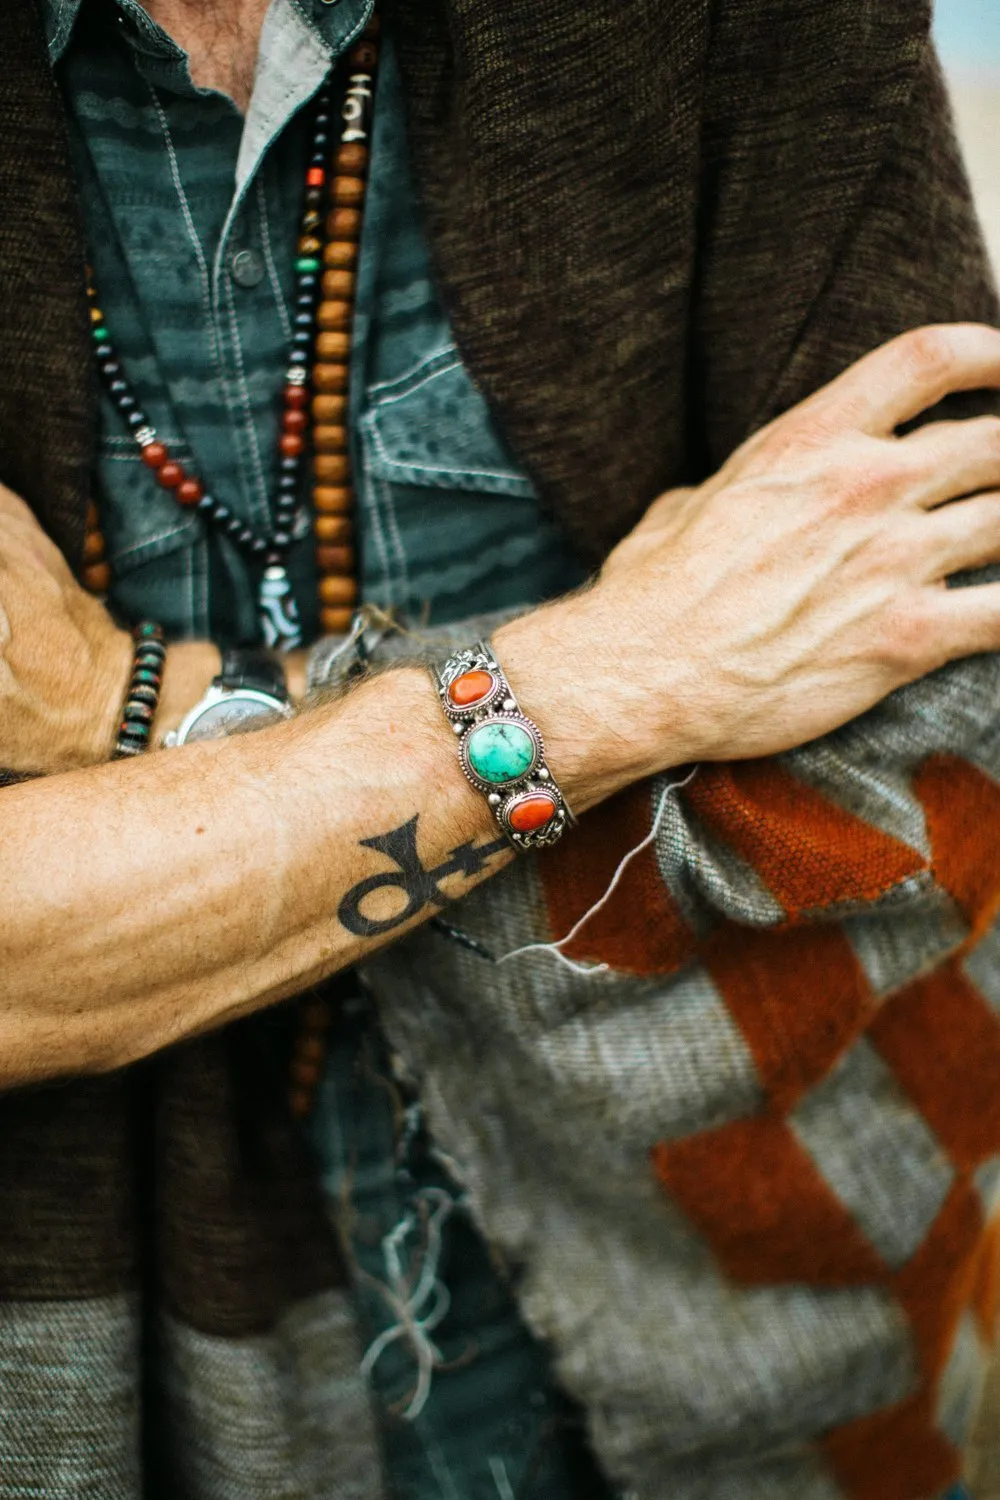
column 284, row 312
column 197, row 569
column 188, row 217
column 258, row 495
column 198, row 612
column 215, row 352
column 237, row 393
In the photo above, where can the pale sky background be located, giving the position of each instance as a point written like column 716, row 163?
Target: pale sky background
column 969, row 32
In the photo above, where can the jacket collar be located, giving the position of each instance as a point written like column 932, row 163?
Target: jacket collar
column 59, row 18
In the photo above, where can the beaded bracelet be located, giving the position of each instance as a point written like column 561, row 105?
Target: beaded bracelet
column 501, row 750
column 143, row 691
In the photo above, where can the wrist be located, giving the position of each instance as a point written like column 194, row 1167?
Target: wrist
column 111, row 689
column 187, row 675
column 595, row 718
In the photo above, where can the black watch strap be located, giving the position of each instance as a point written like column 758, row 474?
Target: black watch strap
column 247, row 667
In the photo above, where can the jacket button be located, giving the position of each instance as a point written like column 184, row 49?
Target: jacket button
column 247, row 267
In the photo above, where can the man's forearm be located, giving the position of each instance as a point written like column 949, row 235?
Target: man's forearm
column 148, row 901
column 785, row 596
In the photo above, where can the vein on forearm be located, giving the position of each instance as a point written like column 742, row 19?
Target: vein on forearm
column 169, row 894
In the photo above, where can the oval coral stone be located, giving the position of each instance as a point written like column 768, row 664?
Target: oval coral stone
column 531, row 812
column 471, row 688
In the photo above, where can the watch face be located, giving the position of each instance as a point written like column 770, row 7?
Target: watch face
column 232, row 715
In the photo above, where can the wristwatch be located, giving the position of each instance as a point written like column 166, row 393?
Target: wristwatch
column 248, row 693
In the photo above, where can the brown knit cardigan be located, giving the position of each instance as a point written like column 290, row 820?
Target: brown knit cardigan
column 656, row 224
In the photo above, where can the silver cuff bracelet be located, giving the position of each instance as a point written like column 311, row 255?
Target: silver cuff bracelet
column 500, row 750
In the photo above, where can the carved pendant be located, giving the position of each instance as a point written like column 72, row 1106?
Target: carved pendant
column 279, row 614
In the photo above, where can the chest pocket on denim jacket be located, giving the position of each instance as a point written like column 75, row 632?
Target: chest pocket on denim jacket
column 451, row 525
column 432, row 426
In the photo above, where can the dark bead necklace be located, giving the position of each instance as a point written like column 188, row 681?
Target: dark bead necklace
column 314, row 414
column 329, row 231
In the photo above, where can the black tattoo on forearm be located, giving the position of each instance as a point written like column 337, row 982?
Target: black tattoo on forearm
column 420, row 885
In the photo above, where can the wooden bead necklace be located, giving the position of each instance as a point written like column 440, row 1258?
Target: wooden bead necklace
column 326, row 270
column 313, row 418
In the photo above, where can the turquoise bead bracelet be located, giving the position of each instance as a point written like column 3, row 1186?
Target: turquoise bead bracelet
column 501, row 750
column 143, row 697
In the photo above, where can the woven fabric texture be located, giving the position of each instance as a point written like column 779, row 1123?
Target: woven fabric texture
column 747, row 1178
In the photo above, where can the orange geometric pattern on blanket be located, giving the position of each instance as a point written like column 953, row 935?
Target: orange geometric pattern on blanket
column 895, row 1454
column 962, row 807
column 937, row 1284
column 901, row 1453
column 799, row 997
column 808, row 851
column 942, row 1041
column 986, row 1293
column 769, row 1218
column 765, row 1209
column 641, row 930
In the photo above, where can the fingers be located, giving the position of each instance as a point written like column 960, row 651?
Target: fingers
column 896, row 383
column 963, row 535
column 949, row 459
column 968, row 619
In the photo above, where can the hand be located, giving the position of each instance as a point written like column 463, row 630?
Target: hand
column 64, row 664
column 796, row 588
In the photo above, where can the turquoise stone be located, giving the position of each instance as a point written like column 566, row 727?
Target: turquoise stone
column 500, row 752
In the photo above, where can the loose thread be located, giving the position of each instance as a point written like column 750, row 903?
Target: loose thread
column 413, row 1323
column 555, row 949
